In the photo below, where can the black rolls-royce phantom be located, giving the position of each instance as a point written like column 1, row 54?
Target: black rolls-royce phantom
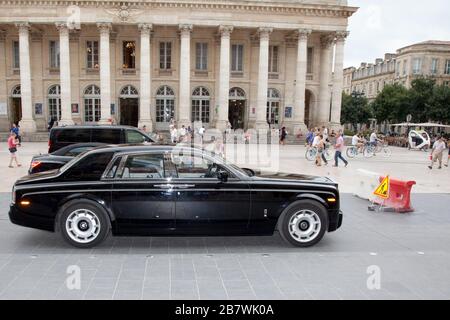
column 155, row 190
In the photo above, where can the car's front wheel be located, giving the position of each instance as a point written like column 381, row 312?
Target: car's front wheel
column 304, row 223
column 83, row 224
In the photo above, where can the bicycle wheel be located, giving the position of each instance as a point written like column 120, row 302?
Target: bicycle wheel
column 387, row 152
column 352, row 152
column 368, row 152
column 329, row 155
column 310, row 154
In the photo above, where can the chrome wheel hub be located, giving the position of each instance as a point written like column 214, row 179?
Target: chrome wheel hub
column 304, row 226
column 83, row 226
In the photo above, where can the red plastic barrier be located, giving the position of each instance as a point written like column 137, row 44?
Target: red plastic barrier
column 399, row 195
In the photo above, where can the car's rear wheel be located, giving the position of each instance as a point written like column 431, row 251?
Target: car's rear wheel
column 304, row 223
column 83, row 224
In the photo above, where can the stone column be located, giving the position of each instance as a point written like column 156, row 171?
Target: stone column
column 224, row 77
column 323, row 111
column 300, row 82
column 105, row 73
column 338, row 78
column 145, row 116
column 27, row 122
column 64, row 69
column 184, row 117
column 263, row 78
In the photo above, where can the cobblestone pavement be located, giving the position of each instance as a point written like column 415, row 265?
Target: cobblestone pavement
column 411, row 252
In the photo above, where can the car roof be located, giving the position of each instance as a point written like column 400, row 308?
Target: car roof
column 94, row 126
column 130, row 148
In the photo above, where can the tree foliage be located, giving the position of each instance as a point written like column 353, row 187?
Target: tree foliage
column 425, row 101
column 355, row 110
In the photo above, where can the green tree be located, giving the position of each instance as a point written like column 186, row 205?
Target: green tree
column 439, row 105
column 420, row 95
column 355, row 110
column 392, row 104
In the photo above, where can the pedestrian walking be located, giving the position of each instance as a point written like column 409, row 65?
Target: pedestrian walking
column 319, row 143
column 309, row 137
column 16, row 130
column 339, row 146
column 173, row 134
column 283, row 136
column 13, row 142
column 436, row 153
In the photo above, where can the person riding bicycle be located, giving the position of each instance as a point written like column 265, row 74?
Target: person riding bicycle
column 358, row 141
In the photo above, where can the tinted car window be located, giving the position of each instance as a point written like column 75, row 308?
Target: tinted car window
column 135, row 137
column 72, row 135
column 111, row 136
column 89, row 168
column 144, row 166
column 113, row 169
column 76, row 151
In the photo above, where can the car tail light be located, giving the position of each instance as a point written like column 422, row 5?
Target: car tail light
column 35, row 164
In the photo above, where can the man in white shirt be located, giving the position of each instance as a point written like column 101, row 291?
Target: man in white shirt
column 373, row 138
column 436, row 153
column 358, row 142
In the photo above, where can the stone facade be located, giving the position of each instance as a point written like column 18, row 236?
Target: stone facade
column 430, row 59
column 144, row 62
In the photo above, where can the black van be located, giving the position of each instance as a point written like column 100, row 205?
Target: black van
column 64, row 136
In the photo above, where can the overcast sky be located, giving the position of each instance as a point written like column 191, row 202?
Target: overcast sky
column 381, row 26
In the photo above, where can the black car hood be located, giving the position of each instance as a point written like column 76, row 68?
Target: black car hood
column 38, row 176
column 292, row 177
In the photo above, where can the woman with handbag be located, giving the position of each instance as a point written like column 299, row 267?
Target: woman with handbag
column 12, row 146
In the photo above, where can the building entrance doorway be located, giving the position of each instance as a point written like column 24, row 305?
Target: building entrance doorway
column 236, row 113
column 129, row 106
column 129, row 111
column 16, row 105
column 308, row 98
column 236, row 108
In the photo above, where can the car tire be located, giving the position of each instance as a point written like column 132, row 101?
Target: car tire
column 310, row 227
column 83, row 223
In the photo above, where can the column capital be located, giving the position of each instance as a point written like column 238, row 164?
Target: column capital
column 264, row 32
column 23, row 26
column 327, row 40
column 225, row 31
column 104, row 27
column 185, row 29
column 342, row 35
column 145, row 28
column 62, row 26
column 303, row 34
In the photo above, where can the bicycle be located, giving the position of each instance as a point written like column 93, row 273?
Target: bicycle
column 311, row 153
column 371, row 150
column 353, row 152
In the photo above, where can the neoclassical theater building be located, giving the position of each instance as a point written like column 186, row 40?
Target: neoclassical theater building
column 144, row 62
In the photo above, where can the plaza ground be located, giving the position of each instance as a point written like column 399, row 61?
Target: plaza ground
column 410, row 250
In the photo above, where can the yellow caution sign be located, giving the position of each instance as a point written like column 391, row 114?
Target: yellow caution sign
column 383, row 189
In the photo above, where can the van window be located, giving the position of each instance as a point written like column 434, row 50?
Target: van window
column 111, row 136
column 134, row 136
column 72, row 135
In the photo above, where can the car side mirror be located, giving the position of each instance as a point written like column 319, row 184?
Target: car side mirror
column 222, row 176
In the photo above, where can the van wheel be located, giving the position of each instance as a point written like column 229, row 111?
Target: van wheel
column 83, row 224
column 304, row 223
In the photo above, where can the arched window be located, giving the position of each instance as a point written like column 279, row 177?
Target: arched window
column 273, row 106
column 237, row 94
column 54, row 102
column 165, row 104
column 16, row 92
column 92, row 104
column 129, row 92
column 201, row 105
